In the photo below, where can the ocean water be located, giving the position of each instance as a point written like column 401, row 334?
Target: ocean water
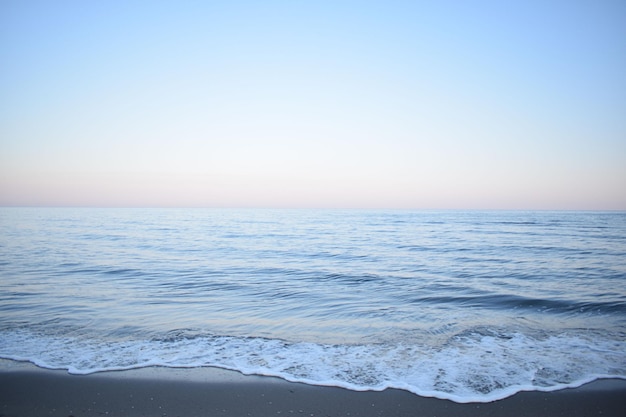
column 463, row 305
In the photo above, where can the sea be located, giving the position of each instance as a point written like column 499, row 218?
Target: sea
column 471, row 306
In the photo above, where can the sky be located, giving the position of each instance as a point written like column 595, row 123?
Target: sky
column 337, row 104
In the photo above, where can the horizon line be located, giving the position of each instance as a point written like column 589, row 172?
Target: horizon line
column 320, row 208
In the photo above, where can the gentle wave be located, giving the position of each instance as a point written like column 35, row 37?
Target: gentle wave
column 510, row 301
column 476, row 365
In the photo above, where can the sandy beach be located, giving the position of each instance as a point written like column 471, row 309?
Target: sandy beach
column 26, row 390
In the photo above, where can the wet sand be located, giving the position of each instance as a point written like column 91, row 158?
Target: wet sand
column 29, row 391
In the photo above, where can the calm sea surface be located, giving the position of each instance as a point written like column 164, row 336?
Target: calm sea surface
column 470, row 306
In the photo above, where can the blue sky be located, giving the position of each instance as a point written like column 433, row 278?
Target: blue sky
column 381, row 104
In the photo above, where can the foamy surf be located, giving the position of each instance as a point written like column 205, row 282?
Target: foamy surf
column 479, row 365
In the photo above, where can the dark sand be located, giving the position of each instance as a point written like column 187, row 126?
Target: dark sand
column 29, row 391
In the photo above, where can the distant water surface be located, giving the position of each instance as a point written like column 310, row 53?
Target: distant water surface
column 465, row 305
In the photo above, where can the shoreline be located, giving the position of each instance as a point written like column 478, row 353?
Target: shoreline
column 27, row 390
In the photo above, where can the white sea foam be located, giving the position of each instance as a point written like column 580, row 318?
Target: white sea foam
column 476, row 366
